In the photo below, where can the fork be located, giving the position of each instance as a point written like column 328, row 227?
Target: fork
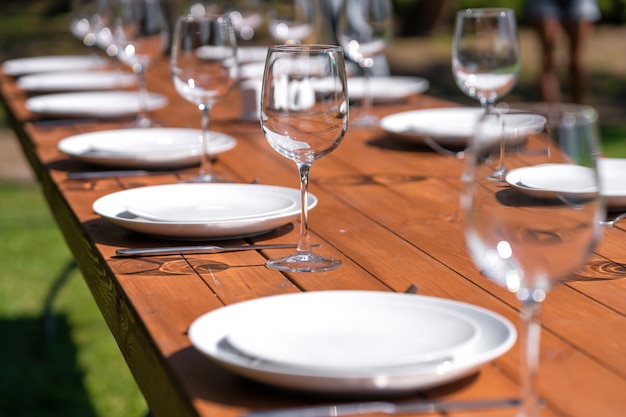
column 613, row 221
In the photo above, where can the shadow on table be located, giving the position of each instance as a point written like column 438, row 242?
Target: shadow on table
column 39, row 375
column 225, row 387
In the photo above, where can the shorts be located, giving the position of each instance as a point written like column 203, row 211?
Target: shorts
column 563, row 9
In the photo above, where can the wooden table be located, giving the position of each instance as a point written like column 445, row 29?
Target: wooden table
column 388, row 208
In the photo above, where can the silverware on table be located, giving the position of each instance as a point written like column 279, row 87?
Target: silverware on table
column 421, row 406
column 186, row 250
column 111, row 174
column 610, row 222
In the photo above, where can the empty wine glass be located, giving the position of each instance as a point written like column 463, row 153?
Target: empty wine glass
column 304, row 116
column 364, row 29
column 485, row 58
column 540, row 228
column 291, row 21
column 141, row 35
column 204, row 69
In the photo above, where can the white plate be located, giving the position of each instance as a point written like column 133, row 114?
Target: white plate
column 75, row 81
column 32, row 65
column 551, row 180
column 447, row 126
column 209, row 334
column 252, row 70
column 248, row 54
column 354, row 334
column 387, row 89
column 215, row 206
column 613, row 177
column 455, row 125
column 98, row 104
column 112, row 207
column 143, row 148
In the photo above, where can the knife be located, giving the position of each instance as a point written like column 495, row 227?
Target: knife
column 421, row 406
column 110, row 174
column 185, row 250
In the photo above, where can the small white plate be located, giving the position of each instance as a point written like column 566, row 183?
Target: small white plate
column 112, row 207
column 353, row 335
column 187, row 207
column 143, row 148
column 387, row 89
column 447, row 126
column 210, row 335
column 550, row 180
column 76, row 81
column 97, row 104
column 32, row 65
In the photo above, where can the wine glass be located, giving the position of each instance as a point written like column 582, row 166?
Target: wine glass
column 291, row 21
column 304, row 116
column 540, row 228
column 141, row 34
column 485, row 58
column 364, row 29
column 85, row 16
column 204, row 69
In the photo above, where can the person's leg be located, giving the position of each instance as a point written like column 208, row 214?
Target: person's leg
column 578, row 33
column 548, row 30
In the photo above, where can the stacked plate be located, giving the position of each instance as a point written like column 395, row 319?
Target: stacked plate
column 60, row 63
column 103, row 104
column 352, row 341
column 386, row 89
column 165, row 148
column 80, row 82
column 76, row 81
column 612, row 174
column 202, row 211
column 451, row 126
column 550, row 180
column 447, row 126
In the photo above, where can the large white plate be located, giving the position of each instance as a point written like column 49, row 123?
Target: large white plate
column 354, row 334
column 386, row 89
column 143, row 148
column 212, row 207
column 209, row 334
column 76, row 81
column 98, row 104
column 447, row 126
column 551, row 180
column 112, row 207
column 31, row 65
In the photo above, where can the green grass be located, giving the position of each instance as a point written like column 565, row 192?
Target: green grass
column 77, row 370
column 613, row 140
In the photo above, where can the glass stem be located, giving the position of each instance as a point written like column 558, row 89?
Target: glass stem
column 498, row 174
column 530, row 336
column 367, row 97
column 143, row 118
column 304, row 244
column 205, row 162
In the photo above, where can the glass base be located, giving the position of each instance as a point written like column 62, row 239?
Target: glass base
column 365, row 120
column 208, row 178
column 498, row 175
column 143, row 122
column 303, row 262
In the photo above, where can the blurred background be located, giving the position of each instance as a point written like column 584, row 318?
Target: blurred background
column 57, row 358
